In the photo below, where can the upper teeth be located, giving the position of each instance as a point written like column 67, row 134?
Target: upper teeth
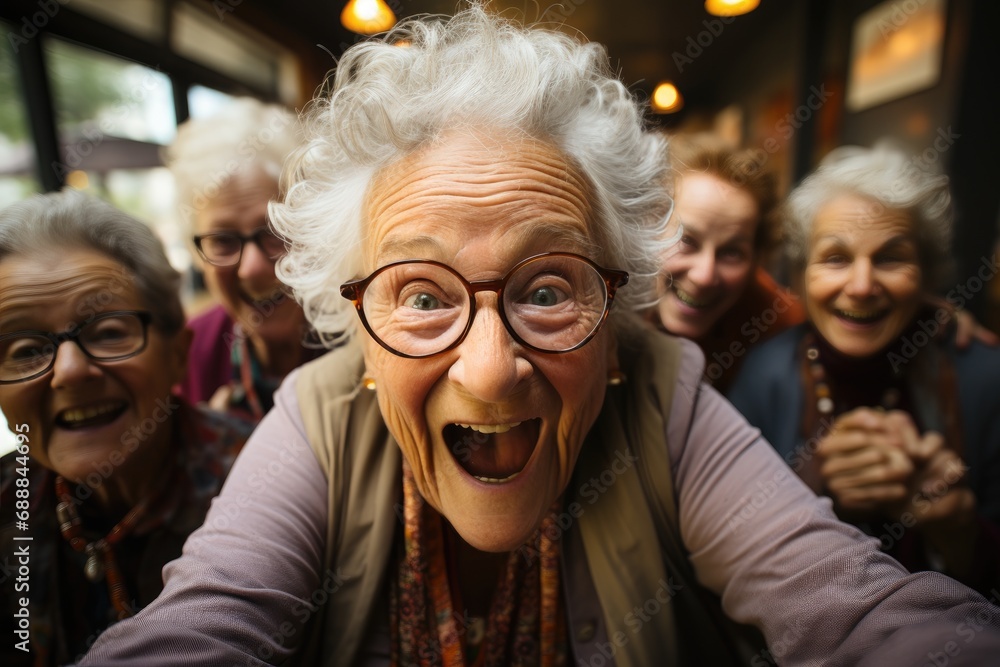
column 690, row 300
column 860, row 314
column 490, row 428
column 81, row 414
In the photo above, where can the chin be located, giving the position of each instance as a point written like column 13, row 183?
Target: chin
column 492, row 535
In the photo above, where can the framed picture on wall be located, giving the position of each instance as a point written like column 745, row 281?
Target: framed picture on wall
column 896, row 49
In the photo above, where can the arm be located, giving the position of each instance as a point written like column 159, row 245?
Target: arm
column 242, row 591
column 821, row 592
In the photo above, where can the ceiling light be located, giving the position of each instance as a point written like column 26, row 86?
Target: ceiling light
column 666, row 98
column 730, row 7
column 367, row 17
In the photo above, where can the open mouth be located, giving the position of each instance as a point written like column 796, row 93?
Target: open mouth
column 689, row 300
column 265, row 302
column 493, row 453
column 861, row 316
column 97, row 414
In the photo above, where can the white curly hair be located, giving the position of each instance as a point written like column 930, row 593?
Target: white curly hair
column 473, row 71
column 891, row 179
column 244, row 135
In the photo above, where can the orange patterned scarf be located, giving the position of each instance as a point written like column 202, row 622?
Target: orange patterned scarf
column 525, row 625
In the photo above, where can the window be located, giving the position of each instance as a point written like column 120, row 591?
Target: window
column 17, row 151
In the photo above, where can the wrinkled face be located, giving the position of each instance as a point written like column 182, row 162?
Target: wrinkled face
column 863, row 281
column 714, row 260
column 491, row 430
column 250, row 292
column 83, row 415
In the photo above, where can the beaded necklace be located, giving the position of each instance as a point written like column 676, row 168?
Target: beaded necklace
column 101, row 562
column 825, row 404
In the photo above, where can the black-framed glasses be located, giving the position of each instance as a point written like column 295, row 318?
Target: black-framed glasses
column 110, row 336
column 226, row 248
column 553, row 302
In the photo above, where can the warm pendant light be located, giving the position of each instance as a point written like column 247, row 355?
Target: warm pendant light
column 367, row 17
column 730, row 7
column 667, row 99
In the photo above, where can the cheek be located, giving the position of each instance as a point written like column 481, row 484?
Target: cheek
column 819, row 286
column 582, row 396
column 220, row 283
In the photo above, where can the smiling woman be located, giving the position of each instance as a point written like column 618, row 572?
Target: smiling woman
column 503, row 464
column 906, row 427
column 92, row 339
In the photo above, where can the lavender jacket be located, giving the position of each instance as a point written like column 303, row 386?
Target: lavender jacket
column 253, row 581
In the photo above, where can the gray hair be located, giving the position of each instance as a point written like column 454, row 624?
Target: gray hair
column 891, row 179
column 475, row 70
column 208, row 152
column 70, row 219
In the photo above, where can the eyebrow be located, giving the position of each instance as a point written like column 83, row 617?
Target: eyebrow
column 898, row 240
column 555, row 237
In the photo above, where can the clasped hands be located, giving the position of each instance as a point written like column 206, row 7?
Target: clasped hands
column 875, row 462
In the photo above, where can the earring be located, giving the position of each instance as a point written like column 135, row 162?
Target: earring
column 369, row 383
column 616, row 377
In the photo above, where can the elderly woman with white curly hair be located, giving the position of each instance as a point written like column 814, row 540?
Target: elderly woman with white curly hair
column 500, row 468
column 226, row 167
column 882, row 412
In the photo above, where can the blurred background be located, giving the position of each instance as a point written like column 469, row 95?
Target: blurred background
column 91, row 90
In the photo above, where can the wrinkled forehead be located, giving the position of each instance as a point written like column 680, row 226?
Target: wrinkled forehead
column 470, row 184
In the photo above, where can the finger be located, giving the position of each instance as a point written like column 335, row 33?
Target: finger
column 846, row 442
column 860, row 418
column 861, row 459
column 221, row 398
column 903, row 431
column 944, row 472
column 872, row 475
column 925, row 448
column 867, row 496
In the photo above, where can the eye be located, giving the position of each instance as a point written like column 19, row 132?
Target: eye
column 26, row 349
column 834, row 259
column 545, row 296
column 109, row 329
column 422, row 301
column 732, row 254
column 688, row 243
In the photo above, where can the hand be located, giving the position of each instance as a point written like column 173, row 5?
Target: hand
column 968, row 329
column 865, row 465
column 936, row 490
column 221, row 398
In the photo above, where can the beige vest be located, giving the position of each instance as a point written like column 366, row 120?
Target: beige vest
column 629, row 531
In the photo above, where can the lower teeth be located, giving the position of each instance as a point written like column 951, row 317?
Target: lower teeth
column 494, row 480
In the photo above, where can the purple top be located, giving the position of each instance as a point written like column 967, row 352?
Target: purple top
column 209, row 365
column 821, row 592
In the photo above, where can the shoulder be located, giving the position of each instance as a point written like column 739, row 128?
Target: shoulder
column 212, row 318
column 979, row 361
column 774, row 357
column 769, row 377
column 977, row 370
column 212, row 442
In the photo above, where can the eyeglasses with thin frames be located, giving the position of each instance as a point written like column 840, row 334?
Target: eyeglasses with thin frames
column 554, row 302
column 112, row 336
column 226, row 248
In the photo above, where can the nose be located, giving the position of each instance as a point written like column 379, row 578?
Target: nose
column 72, row 366
column 256, row 268
column 861, row 280
column 490, row 364
column 702, row 271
